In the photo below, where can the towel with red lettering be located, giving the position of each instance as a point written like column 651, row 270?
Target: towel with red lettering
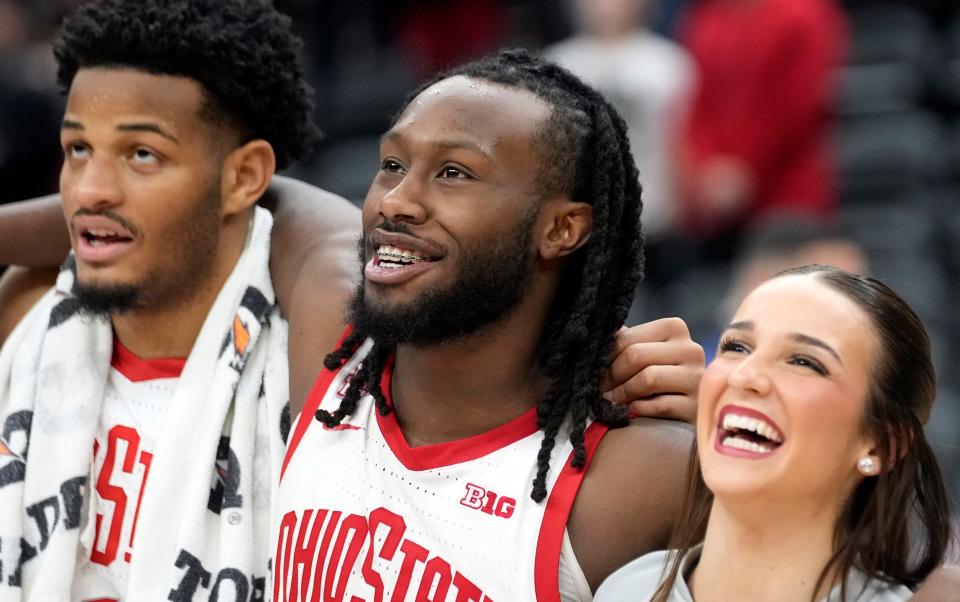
column 204, row 517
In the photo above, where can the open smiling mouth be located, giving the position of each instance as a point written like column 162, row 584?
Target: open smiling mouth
column 747, row 433
column 99, row 237
column 391, row 264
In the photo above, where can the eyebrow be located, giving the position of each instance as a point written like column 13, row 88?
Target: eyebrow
column 69, row 124
column 747, row 325
column 453, row 144
column 147, row 127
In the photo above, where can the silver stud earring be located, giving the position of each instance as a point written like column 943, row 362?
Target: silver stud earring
column 866, row 465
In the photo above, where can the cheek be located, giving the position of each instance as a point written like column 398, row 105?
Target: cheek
column 368, row 213
column 829, row 421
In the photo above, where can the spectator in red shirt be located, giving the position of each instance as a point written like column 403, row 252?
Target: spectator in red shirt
column 758, row 137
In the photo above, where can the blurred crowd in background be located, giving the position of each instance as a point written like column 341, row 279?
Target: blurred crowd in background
column 768, row 133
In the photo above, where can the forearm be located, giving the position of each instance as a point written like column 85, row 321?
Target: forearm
column 310, row 224
column 33, row 233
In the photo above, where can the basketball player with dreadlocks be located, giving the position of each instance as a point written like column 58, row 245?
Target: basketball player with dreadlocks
column 440, row 452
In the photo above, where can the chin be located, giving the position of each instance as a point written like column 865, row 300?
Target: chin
column 730, row 478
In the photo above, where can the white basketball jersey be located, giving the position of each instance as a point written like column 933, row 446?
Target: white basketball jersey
column 134, row 408
column 363, row 516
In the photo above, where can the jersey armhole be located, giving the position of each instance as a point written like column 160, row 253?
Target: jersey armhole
column 571, row 580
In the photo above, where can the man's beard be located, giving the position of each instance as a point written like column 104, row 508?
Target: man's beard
column 192, row 251
column 99, row 300
column 491, row 282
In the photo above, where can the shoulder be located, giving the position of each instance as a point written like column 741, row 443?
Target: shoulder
column 648, row 449
column 637, row 580
column 651, row 434
column 631, row 495
column 20, row 289
column 642, row 470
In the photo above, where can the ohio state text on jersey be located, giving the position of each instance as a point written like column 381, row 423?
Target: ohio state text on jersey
column 363, row 516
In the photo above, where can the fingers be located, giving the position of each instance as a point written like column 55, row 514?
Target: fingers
column 673, row 407
column 657, row 380
column 634, row 360
column 656, row 369
column 658, row 331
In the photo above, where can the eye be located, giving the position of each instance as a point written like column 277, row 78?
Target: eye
column 391, row 166
column 76, row 150
column 145, row 156
column 805, row 361
column 454, row 172
column 733, row 345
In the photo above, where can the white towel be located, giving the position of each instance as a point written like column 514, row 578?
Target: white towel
column 203, row 526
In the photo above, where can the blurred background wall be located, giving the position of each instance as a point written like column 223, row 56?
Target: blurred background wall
column 769, row 133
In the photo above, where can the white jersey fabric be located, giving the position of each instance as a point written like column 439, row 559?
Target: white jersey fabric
column 640, row 579
column 136, row 398
column 363, row 514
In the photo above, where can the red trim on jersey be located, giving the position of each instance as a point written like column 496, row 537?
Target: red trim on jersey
column 136, row 369
column 555, row 517
column 310, row 406
column 426, row 457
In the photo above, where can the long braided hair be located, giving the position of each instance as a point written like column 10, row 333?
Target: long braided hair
column 584, row 154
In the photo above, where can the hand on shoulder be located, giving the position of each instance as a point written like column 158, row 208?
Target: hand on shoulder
column 656, row 370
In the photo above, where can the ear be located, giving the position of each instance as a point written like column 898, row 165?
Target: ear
column 565, row 226
column 899, row 441
column 246, row 173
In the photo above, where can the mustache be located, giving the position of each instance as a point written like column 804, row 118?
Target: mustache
column 395, row 228
column 109, row 215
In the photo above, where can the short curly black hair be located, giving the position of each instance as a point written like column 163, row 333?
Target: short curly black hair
column 242, row 52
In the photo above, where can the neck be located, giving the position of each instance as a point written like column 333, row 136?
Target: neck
column 468, row 386
column 755, row 554
column 170, row 329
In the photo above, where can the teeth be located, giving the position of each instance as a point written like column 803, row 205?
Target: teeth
column 101, row 233
column 398, row 254
column 733, row 421
column 743, row 444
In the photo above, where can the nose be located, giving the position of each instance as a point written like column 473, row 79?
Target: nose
column 94, row 185
column 751, row 375
column 404, row 202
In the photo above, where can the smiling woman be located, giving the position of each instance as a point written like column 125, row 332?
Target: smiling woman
column 811, row 460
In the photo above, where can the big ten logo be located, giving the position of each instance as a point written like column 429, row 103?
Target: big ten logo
column 488, row 502
column 123, row 475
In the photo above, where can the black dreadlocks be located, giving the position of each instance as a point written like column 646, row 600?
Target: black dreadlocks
column 584, row 154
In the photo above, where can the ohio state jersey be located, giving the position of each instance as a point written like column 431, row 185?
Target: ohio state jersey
column 134, row 408
column 363, row 516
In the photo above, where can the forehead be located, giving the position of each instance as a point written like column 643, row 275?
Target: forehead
column 119, row 94
column 490, row 115
column 806, row 305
